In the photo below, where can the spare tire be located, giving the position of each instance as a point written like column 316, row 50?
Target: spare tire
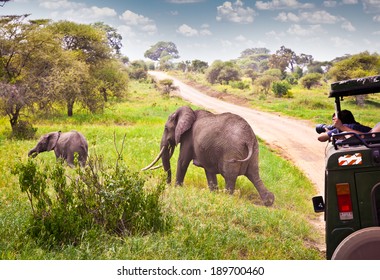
column 363, row 244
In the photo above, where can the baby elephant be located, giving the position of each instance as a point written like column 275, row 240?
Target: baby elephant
column 65, row 145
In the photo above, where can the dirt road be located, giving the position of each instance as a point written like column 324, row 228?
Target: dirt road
column 296, row 140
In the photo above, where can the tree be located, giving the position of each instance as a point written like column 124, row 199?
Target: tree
column 114, row 38
column 138, row 70
column 86, row 71
column 162, row 52
column 255, row 59
column 223, row 72
column 27, row 57
column 90, row 42
column 199, row 66
column 310, row 80
column 356, row 66
column 286, row 58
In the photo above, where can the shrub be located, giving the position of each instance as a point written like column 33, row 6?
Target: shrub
column 23, row 130
column 239, row 85
column 310, row 80
column 96, row 197
column 281, row 88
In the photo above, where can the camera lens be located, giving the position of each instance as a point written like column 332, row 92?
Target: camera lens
column 320, row 128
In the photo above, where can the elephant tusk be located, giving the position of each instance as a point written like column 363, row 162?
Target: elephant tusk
column 154, row 161
column 156, row 167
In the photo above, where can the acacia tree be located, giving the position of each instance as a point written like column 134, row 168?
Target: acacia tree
column 163, row 52
column 27, row 52
column 114, row 38
column 87, row 50
column 285, row 58
column 356, row 66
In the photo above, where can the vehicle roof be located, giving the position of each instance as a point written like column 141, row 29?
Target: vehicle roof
column 356, row 86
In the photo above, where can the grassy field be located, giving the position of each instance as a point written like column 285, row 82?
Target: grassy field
column 205, row 225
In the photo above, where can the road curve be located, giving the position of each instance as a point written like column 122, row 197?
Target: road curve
column 296, row 140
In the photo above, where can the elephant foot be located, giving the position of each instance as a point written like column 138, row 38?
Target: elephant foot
column 268, row 199
column 213, row 188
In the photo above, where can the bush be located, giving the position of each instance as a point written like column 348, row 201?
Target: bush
column 239, row 85
column 94, row 198
column 310, row 80
column 23, row 130
column 281, row 88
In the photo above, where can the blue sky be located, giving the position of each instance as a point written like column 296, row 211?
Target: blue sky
column 218, row 29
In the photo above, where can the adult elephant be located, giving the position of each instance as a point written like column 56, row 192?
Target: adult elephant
column 222, row 144
column 65, row 145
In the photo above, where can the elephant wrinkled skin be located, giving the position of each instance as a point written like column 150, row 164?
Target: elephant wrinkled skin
column 220, row 143
column 65, row 145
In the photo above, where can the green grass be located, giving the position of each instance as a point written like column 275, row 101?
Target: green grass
column 205, row 225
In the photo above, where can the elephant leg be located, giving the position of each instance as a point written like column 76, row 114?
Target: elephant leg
column 266, row 196
column 182, row 165
column 212, row 181
column 69, row 159
column 230, row 183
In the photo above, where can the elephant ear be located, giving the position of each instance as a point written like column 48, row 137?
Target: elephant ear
column 52, row 139
column 185, row 119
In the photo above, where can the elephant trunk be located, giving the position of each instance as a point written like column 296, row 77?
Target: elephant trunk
column 33, row 153
column 168, row 151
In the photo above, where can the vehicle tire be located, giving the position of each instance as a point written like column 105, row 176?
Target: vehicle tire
column 363, row 244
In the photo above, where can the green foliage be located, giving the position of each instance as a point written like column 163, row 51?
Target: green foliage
column 281, row 88
column 65, row 207
column 310, row 80
column 23, row 130
column 240, row 85
column 263, row 83
column 223, row 72
column 138, row 70
column 355, row 66
column 162, row 51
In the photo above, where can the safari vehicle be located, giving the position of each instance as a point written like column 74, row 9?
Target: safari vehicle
column 351, row 203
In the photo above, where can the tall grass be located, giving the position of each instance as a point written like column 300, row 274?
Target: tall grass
column 205, row 225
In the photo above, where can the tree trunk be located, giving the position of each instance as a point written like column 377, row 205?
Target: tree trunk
column 70, row 106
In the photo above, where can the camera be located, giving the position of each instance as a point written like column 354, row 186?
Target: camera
column 320, row 128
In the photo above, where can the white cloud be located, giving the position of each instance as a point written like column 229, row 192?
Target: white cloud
column 350, row 2
column 240, row 38
column 340, row 42
column 235, row 12
column 299, row 30
column 346, row 25
column 329, row 4
column 63, row 9
column 284, row 17
column 376, row 18
column 126, row 31
column 205, row 32
column 310, row 17
column 282, row 4
column 318, row 17
column 60, row 4
column 143, row 23
column 187, row 31
column 371, row 6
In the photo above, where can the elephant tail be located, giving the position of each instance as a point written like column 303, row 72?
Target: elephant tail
column 250, row 152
